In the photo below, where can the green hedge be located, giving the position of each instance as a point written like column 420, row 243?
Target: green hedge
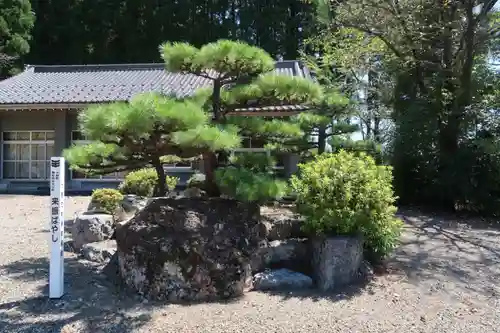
column 142, row 182
column 348, row 194
column 107, row 198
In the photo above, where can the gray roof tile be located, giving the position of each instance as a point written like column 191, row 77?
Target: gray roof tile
column 106, row 83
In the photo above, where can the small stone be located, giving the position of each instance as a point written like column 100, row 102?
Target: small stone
column 336, row 261
column 91, row 228
column 281, row 279
column 282, row 226
column 290, row 253
column 100, row 252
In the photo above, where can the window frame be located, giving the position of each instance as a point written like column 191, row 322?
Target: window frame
column 255, row 150
column 30, row 142
column 101, row 177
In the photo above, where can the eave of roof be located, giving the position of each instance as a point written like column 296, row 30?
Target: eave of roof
column 76, row 86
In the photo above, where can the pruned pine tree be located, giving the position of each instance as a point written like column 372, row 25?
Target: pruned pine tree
column 242, row 76
column 146, row 132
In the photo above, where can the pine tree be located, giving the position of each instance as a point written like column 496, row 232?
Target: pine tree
column 242, row 76
column 130, row 136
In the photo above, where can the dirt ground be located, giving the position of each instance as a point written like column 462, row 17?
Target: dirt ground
column 443, row 278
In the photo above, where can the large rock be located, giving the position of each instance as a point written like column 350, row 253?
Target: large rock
column 281, row 279
column 189, row 249
column 91, row 228
column 336, row 261
column 99, row 252
column 282, row 226
column 291, row 253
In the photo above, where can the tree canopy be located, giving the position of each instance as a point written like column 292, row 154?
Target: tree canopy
column 130, row 136
column 242, row 76
column 16, row 22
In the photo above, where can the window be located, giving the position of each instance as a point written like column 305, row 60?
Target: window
column 179, row 166
column 257, row 146
column 26, row 154
column 78, row 138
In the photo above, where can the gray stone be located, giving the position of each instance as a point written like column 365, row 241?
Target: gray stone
column 193, row 192
column 336, row 261
column 91, row 228
column 290, row 253
column 281, row 226
column 132, row 203
column 281, row 279
column 366, row 272
column 189, row 249
column 100, row 251
column 111, row 270
column 127, row 208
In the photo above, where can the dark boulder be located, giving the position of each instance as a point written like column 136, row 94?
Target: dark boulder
column 336, row 261
column 189, row 249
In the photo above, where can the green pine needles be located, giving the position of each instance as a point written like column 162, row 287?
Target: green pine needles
column 131, row 136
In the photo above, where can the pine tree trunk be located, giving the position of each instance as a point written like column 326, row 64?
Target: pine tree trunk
column 209, row 166
column 160, row 188
column 321, row 140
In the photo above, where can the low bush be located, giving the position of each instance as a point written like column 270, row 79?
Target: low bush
column 248, row 185
column 348, row 194
column 107, row 199
column 142, row 182
column 196, row 180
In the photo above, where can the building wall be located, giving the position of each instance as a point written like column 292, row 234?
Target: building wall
column 62, row 123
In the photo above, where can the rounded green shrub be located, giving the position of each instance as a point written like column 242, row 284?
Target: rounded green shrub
column 142, row 182
column 107, row 199
column 348, row 194
column 196, row 180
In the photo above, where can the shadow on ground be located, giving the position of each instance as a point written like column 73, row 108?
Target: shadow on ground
column 90, row 304
column 450, row 253
column 315, row 295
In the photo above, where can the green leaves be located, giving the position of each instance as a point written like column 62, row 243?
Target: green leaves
column 179, row 57
column 273, row 89
column 140, row 133
column 16, row 22
column 223, row 59
column 208, row 138
column 248, row 185
column 348, row 194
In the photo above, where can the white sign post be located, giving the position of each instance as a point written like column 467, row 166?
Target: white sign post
column 56, row 270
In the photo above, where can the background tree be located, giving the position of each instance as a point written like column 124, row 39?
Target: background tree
column 435, row 50
column 130, row 136
column 16, row 22
column 358, row 64
column 241, row 76
column 121, row 31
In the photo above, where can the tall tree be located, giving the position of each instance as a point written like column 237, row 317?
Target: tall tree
column 436, row 46
column 118, row 31
column 16, row 22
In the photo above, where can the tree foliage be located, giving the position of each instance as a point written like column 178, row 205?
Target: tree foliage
column 130, row 136
column 348, row 194
column 16, row 23
column 242, row 76
column 433, row 54
column 129, row 31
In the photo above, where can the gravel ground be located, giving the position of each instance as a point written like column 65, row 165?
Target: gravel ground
column 443, row 278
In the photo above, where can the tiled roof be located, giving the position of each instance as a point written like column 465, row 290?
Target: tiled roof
column 106, row 83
